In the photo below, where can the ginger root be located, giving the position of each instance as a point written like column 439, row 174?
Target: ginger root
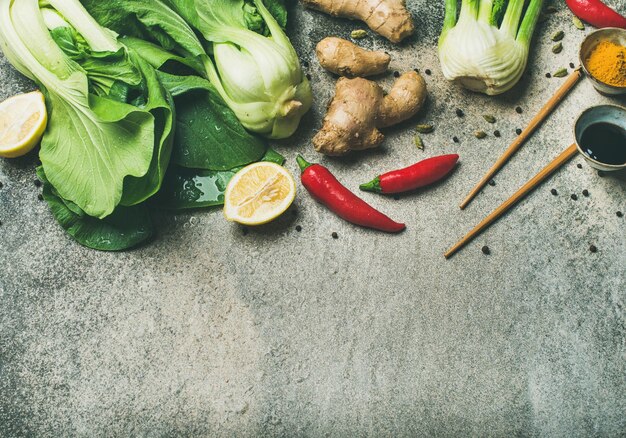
column 360, row 108
column 388, row 18
column 347, row 59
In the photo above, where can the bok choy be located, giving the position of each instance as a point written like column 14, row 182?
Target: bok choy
column 487, row 48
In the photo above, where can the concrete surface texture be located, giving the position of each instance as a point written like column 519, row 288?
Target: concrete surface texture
column 213, row 330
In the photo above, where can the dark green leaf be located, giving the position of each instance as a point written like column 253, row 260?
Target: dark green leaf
column 125, row 228
column 192, row 188
column 209, row 135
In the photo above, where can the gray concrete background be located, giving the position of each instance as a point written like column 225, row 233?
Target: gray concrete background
column 209, row 331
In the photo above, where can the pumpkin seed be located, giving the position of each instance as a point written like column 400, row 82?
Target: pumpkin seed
column 579, row 24
column 558, row 36
column 425, row 129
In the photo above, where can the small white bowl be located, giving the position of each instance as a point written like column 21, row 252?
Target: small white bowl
column 613, row 34
column 613, row 114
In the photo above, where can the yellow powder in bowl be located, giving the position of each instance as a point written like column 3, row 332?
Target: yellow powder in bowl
column 607, row 63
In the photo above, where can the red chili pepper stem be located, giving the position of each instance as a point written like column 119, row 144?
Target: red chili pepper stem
column 304, row 164
column 372, row 186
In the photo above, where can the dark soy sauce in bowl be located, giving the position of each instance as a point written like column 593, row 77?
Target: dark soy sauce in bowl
column 605, row 143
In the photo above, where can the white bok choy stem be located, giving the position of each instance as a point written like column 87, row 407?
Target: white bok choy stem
column 486, row 49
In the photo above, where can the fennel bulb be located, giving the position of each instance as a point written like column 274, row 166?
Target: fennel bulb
column 259, row 77
column 487, row 49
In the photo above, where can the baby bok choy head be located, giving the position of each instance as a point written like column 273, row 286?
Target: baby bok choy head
column 486, row 49
column 258, row 76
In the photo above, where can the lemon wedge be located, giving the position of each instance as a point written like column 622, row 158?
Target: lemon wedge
column 23, row 120
column 259, row 193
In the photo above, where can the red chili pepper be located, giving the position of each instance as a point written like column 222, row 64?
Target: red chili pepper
column 413, row 177
column 325, row 188
column 596, row 13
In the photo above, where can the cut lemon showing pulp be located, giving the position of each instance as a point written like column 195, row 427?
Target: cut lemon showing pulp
column 23, row 120
column 259, row 193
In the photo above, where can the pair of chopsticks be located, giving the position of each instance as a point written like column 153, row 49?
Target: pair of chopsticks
column 559, row 161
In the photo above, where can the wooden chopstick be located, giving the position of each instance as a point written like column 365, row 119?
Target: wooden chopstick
column 563, row 158
column 521, row 139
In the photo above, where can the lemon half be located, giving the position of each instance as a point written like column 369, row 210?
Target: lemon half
column 23, row 120
column 259, row 193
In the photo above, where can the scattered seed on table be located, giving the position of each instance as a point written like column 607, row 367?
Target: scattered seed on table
column 580, row 166
column 577, row 23
column 455, row 139
column 358, row 34
column 558, row 36
column 586, row 193
column 554, row 192
column 425, row 128
column 480, row 134
column 298, row 228
column 428, row 72
column 548, row 75
column 396, row 74
column 593, row 248
column 619, row 214
column 560, row 73
column 419, row 143
column 518, row 110
column 489, row 118
column 37, row 183
column 492, row 183
column 459, row 112
column 572, row 65
column 335, row 235
column 416, row 70
column 557, row 48
column 485, row 249
column 574, row 197
column 497, row 133
column 518, row 131
column 40, row 197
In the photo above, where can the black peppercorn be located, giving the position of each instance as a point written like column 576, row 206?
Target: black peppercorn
column 571, row 64
column 580, row 166
column 428, row 72
column 335, row 235
column 548, row 75
column 37, row 183
column 459, row 112
column 485, row 249
column 396, row 74
column 554, row 192
column 518, row 110
column 492, row 183
column 585, row 192
column 416, row 70
column 619, row 214
column 593, row 248
column 455, row 139
column 518, row 131
column 574, row 197
column 496, row 133
column 298, row 228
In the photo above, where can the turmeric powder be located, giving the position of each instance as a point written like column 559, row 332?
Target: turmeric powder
column 607, row 63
